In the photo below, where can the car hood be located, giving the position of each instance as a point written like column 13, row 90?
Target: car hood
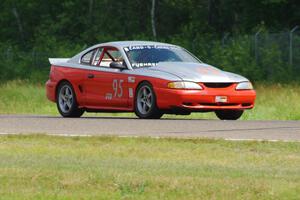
column 197, row 72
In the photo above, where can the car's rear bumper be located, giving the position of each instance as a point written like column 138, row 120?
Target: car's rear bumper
column 50, row 90
column 204, row 100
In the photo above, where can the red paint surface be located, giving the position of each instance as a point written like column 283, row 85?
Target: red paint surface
column 92, row 93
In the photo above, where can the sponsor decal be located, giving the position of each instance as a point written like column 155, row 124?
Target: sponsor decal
column 138, row 47
column 144, row 64
column 108, row 96
column 221, row 99
column 131, row 79
column 130, row 91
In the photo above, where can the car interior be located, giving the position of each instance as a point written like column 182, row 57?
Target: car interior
column 103, row 57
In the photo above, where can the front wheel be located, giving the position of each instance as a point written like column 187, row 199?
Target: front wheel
column 66, row 101
column 229, row 114
column 145, row 102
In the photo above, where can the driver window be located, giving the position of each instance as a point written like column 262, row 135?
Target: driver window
column 111, row 55
column 106, row 60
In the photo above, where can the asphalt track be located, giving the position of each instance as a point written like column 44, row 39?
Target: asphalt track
column 187, row 128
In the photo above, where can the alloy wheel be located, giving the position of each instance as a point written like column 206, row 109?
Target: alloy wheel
column 145, row 100
column 65, row 99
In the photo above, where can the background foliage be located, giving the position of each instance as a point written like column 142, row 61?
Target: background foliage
column 219, row 32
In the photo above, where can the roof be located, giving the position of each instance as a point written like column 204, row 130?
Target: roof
column 133, row 43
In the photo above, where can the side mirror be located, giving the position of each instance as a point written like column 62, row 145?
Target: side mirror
column 117, row 65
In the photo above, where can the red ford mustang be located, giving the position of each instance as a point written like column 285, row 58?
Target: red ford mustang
column 148, row 78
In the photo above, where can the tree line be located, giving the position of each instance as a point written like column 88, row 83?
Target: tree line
column 88, row 21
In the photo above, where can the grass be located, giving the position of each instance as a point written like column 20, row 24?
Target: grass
column 274, row 102
column 48, row 167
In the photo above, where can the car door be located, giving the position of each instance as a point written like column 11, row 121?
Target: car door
column 91, row 96
column 105, row 88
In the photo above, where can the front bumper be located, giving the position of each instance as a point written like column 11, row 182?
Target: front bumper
column 205, row 100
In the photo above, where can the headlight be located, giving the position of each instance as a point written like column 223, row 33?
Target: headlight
column 244, row 86
column 184, row 85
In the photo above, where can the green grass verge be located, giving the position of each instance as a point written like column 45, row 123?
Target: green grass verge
column 274, row 102
column 48, row 167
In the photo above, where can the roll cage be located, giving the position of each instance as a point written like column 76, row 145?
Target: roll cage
column 102, row 56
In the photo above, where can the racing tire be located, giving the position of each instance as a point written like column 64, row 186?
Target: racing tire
column 145, row 106
column 66, row 101
column 229, row 114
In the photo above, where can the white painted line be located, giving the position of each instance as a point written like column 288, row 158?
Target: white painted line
column 259, row 140
column 8, row 133
column 69, row 135
column 149, row 136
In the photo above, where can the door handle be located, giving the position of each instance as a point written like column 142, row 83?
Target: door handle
column 91, row 76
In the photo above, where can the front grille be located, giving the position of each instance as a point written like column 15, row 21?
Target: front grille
column 246, row 104
column 219, row 104
column 217, row 85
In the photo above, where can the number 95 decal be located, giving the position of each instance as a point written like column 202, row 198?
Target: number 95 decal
column 117, row 88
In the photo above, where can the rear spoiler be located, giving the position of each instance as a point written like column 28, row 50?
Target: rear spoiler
column 55, row 61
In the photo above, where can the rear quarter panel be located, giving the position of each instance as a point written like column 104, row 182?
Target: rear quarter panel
column 59, row 74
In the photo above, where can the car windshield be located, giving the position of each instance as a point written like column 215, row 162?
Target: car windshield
column 150, row 55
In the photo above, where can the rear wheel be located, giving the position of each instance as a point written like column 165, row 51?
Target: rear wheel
column 66, row 101
column 145, row 102
column 229, row 114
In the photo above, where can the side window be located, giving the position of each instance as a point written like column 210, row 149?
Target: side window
column 106, row 60
column 97, row 56
column 116, row 55
column 102, row 57
column 87, row 58
column 111, row 55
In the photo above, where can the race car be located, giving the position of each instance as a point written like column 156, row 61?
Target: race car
column 148, row 78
